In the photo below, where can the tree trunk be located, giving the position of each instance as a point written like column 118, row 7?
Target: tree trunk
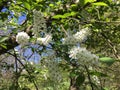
column 73, row 85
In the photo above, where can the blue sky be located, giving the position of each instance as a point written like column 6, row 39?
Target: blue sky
column 21, row 18
column 35, row 57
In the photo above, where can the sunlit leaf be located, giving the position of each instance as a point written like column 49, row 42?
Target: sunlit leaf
column 39, row 1
column 3, row 46
column 88, row 1
column 73, row 13
column 51, row 5
column 2, row 39
column 64, row 15
column 58, row 3
column 105, row 88
column 27, row 5
column 100, row 4
column 98, row 74
column 107, row 60
column 58, row 16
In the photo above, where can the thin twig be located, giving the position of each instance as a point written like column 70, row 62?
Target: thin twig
column 16, row 62
column 88, row 73
column 111, row 45
column 64, row 30
column 26, row 69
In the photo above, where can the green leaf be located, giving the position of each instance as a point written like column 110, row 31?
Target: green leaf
column 73, row 13
column 88, row 1
column 72, row 74
column 98, row 74
column 80, row 79
column 27, row 5
column 64, row 15
column 73, row 5
column 82, row 2
column 58, row 3
column 58, row 16
column 69, row 14
column 107, row 60
column 3, row 46
column 104, row 88
column 51, row 5
column 100, row 4
column 39, row 1
column 2, row 39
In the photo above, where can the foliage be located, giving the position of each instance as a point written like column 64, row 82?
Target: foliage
column 55, row 27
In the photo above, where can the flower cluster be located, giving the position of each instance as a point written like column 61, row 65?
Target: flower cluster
column 39, row 23
column 45, row 41
column 70, row 40
column 96, row 79
column 77, row 37
column 83, row 55
column 53, row 69
column 22, row 38
column 81, row 35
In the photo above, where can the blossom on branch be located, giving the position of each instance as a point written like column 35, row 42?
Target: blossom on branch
column 81, row 35
column 22, row 38
column 83, row 55
column 78, row 37
column 70, row 40
column 45, row 41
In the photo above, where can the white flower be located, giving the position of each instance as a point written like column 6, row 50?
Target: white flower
column 81, row 35
column 73, row 53
column 40, row 40
column 69, row 40
column 24, row 71
column 78, row 37
column 96, row 79
column 22, row 38
column 44, row 41
column 48, row 39
column 83, row 55
column 76, row 1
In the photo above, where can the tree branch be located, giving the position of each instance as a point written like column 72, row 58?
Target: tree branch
column 111, row 45
column 88, row 73
column 25, row 69
column 11, row 42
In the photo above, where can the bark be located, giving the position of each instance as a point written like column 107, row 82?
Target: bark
column 73, row 85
